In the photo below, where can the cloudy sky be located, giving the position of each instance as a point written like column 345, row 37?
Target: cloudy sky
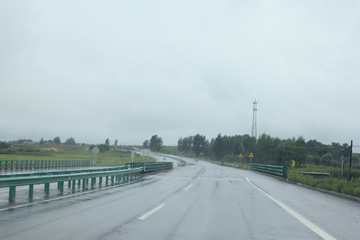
column 127, row 70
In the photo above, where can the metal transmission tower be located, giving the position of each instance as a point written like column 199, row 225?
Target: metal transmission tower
column 254, row 130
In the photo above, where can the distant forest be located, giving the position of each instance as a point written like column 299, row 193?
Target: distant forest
column 267, row 150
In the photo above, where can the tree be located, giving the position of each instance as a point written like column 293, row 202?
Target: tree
column 116, row 142
column 146, row 143
column 107, row 141
column 57, row 140
column 327, row 159
column 219, row 147
column 199, row 142
column 70, row 141
column 156, row 143
column 42, row 141
column 4, row 145
column 180, row 145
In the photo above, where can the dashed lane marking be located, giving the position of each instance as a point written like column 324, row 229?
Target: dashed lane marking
column 188, row 187
column 151, row 212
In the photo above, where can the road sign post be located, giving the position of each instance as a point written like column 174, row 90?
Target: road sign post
column 95, row 151
column 251, row 157
column 240, row 156
column 132, row 156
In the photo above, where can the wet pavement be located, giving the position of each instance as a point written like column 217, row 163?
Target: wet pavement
column 199, row 201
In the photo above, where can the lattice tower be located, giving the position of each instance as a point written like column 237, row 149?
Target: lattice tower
column 254, row 127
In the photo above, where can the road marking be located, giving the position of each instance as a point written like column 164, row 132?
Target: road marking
column 151, row 212
column 299, row 217
column 188, row 187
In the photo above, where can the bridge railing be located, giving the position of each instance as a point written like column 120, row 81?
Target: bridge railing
column 271, row 169
column 151, row 166
column 16, row 165
column 121, row 174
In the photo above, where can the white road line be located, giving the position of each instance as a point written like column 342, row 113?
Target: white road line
column 151, row 212
column 188, row 187
column 306, row 222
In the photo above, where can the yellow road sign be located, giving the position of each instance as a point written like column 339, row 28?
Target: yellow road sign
column 251, row 155
column 240, row 155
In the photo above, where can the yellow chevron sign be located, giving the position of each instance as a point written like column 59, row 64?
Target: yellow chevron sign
column 240, row 155
column 251, row 155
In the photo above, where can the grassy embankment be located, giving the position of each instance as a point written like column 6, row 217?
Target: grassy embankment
column 333, row 183
column 108, row 158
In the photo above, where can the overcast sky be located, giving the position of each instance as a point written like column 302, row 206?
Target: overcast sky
column 128, row 70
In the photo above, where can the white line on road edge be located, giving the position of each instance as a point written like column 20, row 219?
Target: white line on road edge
column 306, row 222
column 151, row 212
column 188, row 187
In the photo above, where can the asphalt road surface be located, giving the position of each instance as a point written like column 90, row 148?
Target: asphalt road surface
column 200, row 201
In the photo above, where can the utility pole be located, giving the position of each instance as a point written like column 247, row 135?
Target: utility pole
column 350, row 159
column 254, row 130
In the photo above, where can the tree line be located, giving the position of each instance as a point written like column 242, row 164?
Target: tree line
column 266, row 149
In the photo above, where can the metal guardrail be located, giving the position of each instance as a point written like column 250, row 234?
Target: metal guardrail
column 120, row 174
column 14, row 165
column 27, row 174
column 226, row 164
column 157, row 166
column 182, row 162
column 271, row 169
column 151, row 166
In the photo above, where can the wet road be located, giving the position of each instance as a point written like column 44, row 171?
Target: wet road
column 200, row 201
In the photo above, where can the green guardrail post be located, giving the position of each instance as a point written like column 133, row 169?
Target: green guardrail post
column 106, row 180
column 31, row 190
column 79, row 182
column 112, row 178
column 47, row 188
column 100, row 181
column 73, row 184
column 84, row 184
column 61, row 186
column 69, row 184
column 12, row 194
column 93, row 181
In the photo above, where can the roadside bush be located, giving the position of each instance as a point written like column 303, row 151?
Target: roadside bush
column 102, row 147
column 230, row 158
